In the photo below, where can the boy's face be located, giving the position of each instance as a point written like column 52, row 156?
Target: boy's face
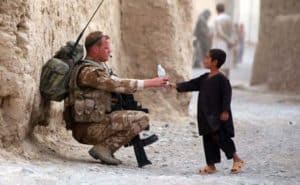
column 208, row 62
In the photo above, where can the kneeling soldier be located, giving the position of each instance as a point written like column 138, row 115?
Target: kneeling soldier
column 90, row 101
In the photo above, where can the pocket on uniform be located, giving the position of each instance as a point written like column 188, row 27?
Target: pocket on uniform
column 79, row 107
column 89, row 106
column 83, row 110
column 86, row 111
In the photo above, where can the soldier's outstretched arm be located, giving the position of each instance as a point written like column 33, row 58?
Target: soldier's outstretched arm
column 98, row 78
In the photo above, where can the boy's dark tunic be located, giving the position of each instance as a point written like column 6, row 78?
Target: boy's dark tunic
column 213, row 99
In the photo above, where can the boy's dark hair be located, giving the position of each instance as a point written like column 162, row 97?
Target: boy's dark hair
column 220, row 7
column 218, row 55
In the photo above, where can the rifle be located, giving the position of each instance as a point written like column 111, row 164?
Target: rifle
column 127, row 102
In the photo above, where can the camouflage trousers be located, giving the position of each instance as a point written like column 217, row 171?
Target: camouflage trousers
column 118, row 129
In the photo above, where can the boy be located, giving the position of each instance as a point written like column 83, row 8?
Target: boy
column 214, row 113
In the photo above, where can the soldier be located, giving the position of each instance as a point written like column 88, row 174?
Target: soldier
column 90, row 101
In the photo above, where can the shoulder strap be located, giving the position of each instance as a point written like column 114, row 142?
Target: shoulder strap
column 77, row 68
column 91, row 62
column 73, row 86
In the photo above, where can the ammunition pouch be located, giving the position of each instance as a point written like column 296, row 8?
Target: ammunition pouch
column 88, row 111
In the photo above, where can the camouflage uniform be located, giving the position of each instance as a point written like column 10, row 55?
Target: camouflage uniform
column 90, row 101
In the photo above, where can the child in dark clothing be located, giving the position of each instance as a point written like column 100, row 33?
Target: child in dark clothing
column 214, row 113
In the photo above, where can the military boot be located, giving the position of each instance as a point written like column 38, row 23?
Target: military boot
column 104, row 154
column 113, row 156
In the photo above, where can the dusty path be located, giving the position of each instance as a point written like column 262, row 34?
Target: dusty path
column 267, row 138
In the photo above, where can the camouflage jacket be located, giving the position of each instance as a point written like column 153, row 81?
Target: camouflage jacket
column 91, row 87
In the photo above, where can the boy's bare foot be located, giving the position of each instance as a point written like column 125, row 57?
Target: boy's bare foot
column 209, row 169
column 237, row 166
column 236, row 158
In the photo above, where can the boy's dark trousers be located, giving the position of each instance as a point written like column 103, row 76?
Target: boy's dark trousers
column 215, row 141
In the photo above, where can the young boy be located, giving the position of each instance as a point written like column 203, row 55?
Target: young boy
column 214, row 113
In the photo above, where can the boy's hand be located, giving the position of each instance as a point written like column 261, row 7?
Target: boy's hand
column 224, row 116
column 172, row 85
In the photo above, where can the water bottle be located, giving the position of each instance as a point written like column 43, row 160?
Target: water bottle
column 160, row 71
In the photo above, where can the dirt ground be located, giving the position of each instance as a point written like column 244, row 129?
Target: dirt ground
column 267, row 137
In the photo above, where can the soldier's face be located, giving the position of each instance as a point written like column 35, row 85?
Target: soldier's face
column 103, row 50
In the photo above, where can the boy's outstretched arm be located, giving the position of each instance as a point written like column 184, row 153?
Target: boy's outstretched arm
column 191, row 85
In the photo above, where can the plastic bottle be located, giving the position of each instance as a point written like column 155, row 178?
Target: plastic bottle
column 161, row 72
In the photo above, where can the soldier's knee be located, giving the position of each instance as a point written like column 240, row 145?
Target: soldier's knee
column 143, row 119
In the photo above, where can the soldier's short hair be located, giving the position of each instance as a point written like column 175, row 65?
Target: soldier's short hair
column 93, row 38
column 220, row 7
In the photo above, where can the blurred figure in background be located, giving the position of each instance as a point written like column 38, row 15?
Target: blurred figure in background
column 223, row 36
column 241, row 42
column 202, row 42
column 236, row 48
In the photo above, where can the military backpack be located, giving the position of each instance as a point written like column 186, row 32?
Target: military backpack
column 55, row 76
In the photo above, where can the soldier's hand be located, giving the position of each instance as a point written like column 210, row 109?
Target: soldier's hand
column 157, row 82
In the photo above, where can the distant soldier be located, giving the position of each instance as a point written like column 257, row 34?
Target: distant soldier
column 202, row 43
column 223, row 38
column 90, row 102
